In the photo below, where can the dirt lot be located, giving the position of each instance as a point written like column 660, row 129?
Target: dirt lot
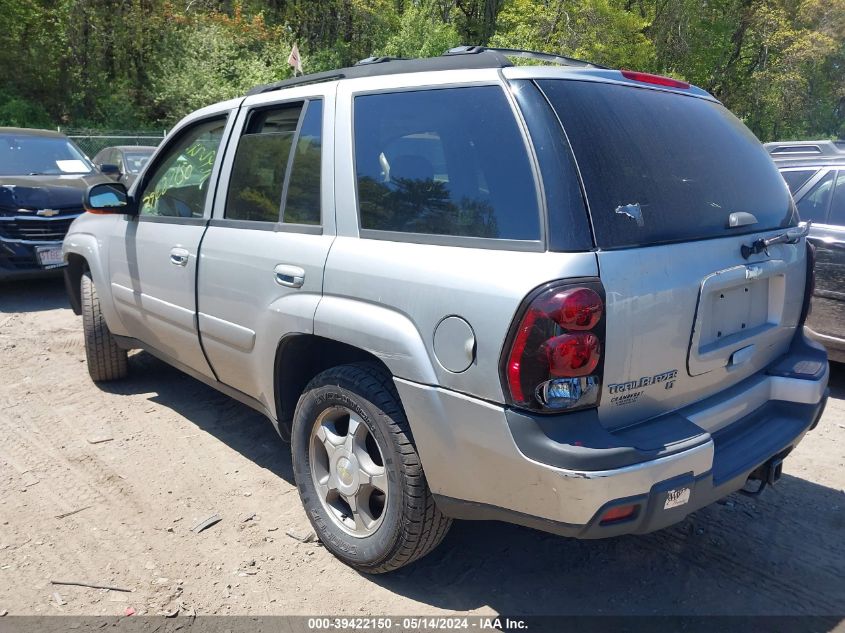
column 181, row 452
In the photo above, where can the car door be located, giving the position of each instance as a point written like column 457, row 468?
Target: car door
column 828, row 235
column 262, row 258
column 153, row 263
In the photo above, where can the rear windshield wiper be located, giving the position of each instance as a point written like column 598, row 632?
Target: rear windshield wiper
column 792, row 236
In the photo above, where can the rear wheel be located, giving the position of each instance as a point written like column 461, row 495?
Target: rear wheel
column 106, row 361
column 358, row 472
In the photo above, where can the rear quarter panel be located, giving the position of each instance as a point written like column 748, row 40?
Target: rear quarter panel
column 415, row 286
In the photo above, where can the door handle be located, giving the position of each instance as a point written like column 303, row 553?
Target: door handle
column 290, row 276
column 179, row 256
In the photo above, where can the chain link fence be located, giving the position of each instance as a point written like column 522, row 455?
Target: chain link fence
column 92, row 141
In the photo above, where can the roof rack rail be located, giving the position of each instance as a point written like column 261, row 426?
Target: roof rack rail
column 526, row 54
column 379, row 60
column 304, row 80
column 459, row 58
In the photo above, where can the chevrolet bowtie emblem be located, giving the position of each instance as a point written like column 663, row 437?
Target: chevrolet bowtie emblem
column 47, row 213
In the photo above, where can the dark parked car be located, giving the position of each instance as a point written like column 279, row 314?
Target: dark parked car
column 124, row 162
column 815, row 173
column 43, row 177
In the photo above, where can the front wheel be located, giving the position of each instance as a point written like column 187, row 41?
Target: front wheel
column 106, row 360
column 358, row 472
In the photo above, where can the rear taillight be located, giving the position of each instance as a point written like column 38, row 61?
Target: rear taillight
column 553, row 360
column 657, row 80
column 810, row 285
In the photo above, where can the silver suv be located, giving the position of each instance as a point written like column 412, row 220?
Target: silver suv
column 566, row 296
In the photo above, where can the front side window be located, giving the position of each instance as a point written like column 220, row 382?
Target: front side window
column 813, row 206
column 178, row 184
column 444, row 161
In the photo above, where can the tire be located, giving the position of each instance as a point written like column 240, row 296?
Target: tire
column 106, row 361
column 409, row 524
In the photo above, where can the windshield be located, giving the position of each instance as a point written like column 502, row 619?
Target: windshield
column 133, row 162
column 22, row 155
column 661, row 167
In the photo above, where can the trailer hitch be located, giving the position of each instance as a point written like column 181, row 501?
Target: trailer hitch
column 767, row 475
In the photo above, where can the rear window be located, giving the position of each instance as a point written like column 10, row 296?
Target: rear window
column 661, row 167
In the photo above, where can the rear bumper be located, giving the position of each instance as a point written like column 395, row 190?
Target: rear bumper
column 835, row 346
column 483, row 461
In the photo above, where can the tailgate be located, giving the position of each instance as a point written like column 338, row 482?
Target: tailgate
column 685, row 321
column 675, row 186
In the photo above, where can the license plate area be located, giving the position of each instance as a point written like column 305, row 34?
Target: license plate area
column 737, row 308
column 49, row 256
column 676, row 498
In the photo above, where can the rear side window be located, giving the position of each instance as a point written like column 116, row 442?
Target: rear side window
column 303, row 196
column 796, row 178
column 813, row 206
column 447, row 162
column 258, row 172
column 661, row 167
column 837, row 204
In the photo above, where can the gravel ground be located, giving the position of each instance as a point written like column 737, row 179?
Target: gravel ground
column 177, row 452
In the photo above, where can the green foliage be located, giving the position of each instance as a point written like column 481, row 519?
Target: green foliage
column 18, row 112
column 211, row 58
column 779, row 64
column 421, row 34
column 602, row 31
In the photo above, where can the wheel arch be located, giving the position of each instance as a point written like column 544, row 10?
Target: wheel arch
column 299, row 358
column 76, row 267
column 84, row 252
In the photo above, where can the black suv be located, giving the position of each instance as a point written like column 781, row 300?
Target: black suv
column 815, row 174
column 43, row 177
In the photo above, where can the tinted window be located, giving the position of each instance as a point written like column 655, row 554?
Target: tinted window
column 795, row 179
column 837, row 204
column 813, row 206
column 303, row 197
column 178, row 184
column 663, row 167
column 569, row 228
column 258, row 172
column 446, row 162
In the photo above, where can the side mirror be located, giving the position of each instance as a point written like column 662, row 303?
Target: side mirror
column 108, row 198
column 112, row 171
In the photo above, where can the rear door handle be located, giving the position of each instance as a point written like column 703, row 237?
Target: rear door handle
column 289, row 276
column 179, row 256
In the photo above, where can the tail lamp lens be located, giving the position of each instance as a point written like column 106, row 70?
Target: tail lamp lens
column 581, row 309
column 573, row 355
column 556, row 349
